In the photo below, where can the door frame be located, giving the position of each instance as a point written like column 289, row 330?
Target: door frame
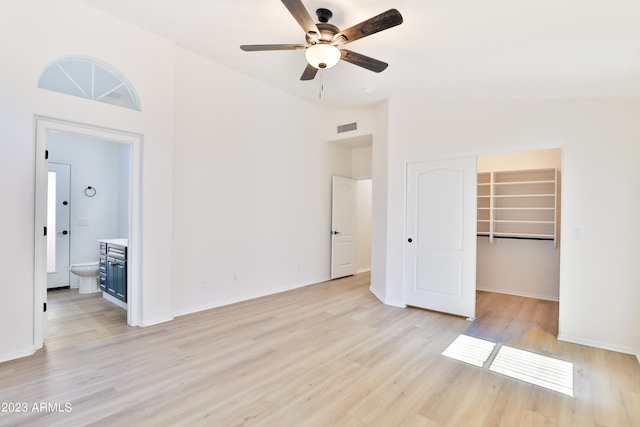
column 44, row 126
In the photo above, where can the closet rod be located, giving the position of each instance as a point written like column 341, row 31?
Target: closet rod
column 517, row 237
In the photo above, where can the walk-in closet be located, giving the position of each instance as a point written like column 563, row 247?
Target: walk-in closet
column 519, row 208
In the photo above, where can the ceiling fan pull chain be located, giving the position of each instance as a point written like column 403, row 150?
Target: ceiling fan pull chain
column 321, row 84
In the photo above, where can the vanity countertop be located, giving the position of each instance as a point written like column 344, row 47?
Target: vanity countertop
column 121, row 242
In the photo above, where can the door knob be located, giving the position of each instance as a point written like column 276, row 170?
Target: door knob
column 64, row 232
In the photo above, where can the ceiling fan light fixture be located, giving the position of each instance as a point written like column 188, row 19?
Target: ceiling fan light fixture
column 322, row 56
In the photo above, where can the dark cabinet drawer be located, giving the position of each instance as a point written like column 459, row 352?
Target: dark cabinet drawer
column 115, row 251
column 103, row 281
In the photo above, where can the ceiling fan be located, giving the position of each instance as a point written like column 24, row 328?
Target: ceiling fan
column 322, row 49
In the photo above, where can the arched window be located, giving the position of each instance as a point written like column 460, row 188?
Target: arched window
column 88, row 78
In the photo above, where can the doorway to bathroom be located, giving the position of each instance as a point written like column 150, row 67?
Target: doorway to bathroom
column 91, row 202
column 103, row 203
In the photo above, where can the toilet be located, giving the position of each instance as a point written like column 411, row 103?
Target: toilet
column 88, row 272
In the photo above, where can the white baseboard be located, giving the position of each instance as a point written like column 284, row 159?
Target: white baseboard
column 600, row 345
column 387, row 302
column 248, row 297
column 114, row 300
column 520, row 294
column 363, row 270
column 145, row 323
column 17, row 354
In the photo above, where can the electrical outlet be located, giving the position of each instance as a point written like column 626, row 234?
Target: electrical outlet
column 235, row 277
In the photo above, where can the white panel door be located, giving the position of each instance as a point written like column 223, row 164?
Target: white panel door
column 343, row 226
column 58, row 225
column 440, row 246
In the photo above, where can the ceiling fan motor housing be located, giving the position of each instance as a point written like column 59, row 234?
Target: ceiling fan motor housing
column 327, row 32
column 324, row 15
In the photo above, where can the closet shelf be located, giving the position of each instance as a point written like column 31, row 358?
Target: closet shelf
column 522, row 236
column 547, row 181
column 521, row 209
column 525, row 235
column 512, row 221
column 499, row 196
column 519, row 204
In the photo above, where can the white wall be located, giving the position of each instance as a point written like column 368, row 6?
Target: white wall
column 361, row 167
column 337, row 117
column 41, row 32
column 101, row 165
column 529, row 268
column 252, row 188
column 519, row 160
column 363, row 225
column 379, row 200
column 124, row 189
column 599, row 293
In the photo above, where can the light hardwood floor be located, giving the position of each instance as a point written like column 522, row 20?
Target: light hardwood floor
column 327, row 354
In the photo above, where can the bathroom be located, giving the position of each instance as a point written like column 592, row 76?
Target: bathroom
column 93, row 177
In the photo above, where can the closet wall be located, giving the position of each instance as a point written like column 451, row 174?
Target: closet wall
column 361, row 170
column 524, row 267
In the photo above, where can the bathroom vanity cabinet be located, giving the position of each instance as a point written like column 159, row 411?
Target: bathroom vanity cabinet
column 113, row 270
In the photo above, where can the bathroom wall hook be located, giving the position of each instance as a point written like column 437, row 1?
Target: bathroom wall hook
column 89, row 191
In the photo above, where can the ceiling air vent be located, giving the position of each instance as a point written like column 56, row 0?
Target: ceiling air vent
column 347, row 127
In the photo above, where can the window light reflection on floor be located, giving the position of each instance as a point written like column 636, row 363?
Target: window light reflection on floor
column 548, row 372
column 470, row 350
column 543, row 371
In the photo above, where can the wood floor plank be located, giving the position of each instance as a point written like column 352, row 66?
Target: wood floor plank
column 330, row 354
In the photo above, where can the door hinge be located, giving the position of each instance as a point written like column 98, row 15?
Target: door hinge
column 45, row 307
column 45, row 231
column 46, row 154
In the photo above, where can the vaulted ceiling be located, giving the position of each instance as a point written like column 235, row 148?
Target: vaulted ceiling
column 444, row 48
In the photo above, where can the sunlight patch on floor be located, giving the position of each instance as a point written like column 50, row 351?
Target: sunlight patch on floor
column 470, row 350
column 543, row 371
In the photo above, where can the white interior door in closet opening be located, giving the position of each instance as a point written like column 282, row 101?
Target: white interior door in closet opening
column 440, row 245
column 343, row 226
column 58, row 225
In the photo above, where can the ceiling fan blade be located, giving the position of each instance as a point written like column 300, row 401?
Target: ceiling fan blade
column 385, row 20
column 363, row 61
column 309, row 73
column 260, row 47
column 300, row 13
